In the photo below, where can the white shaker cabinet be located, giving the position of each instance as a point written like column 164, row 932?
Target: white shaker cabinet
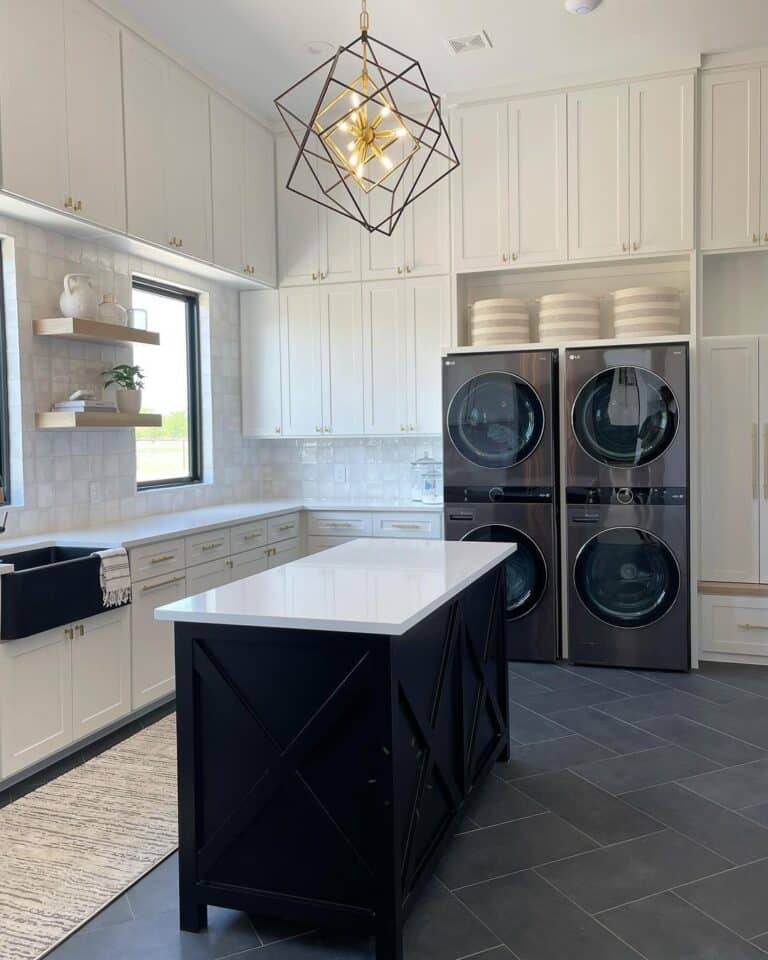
column 480, row 187
column 427, row 319
column 101, row 671
column 301, row 361
column 35, row 699
column 764, row 156
column 730, row 157
column 168, row 162
column 386, row 404
column 342, row 353
column 730, row 460
column 153, row 671
column 661, row 165
column 61, row 119
column 259, row 229
column 260, row 363
column 538, row 179
column 598, row 172
column 95, row 141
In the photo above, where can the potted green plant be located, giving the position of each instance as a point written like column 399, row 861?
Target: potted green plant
column 129, row 380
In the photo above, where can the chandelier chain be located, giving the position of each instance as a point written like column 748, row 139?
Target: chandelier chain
column 364, row 18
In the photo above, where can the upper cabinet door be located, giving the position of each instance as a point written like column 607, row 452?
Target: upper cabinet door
column 259, row 237
column 598, row 172
column 764, row 171
column 386, row 406
column 144, row 97
column 661, row 167
column 481, row 187
column 428, row 311
column 228, row 172
column 188, row 163
column 427, row 227
column 342, row 330
column 730, row 530
column 95, row 114
column 260, row 363
column 33, row 119
column 538, row 179
column 730, row 176
column 298, row 220
column 339, row 247
column 301, row 360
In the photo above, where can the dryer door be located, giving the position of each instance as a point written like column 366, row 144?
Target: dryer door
column 526, row 570
column 625, row 417
column 495, row 420
column 627, row 577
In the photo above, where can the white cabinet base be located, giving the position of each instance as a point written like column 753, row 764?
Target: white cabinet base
column 734, row 628
column 101, row 671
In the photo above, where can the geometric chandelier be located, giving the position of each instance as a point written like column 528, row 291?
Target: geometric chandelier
column 369, row 133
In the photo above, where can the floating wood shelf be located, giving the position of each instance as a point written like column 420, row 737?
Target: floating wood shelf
column 72, row 420
column 77, row 328
column 733, row 589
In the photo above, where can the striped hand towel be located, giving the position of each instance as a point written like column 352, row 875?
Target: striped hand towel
column 115, row 577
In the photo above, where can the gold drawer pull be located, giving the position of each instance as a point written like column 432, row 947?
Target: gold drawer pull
column 212, row 546
column 407, row 526
column 753, row 626
column 339, row 523
column 165, row 583
column 253, row 536
column 69, row 633
column 164, row 559
column 286, row 526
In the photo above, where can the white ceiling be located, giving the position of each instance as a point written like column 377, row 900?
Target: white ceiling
column 257, row 48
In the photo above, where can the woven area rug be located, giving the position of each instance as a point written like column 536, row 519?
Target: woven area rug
column 70, row 847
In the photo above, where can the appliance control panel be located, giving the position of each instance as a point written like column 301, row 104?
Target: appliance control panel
column 627, row 496
column 455, row 494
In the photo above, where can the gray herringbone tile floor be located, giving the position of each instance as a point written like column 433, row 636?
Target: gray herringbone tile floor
column 631, row 821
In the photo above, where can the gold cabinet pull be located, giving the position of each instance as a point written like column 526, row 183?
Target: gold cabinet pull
column 338, row 523
column 164, row 558
column 181, row 242
column 399, row 269
column 69, row 633
column 212, row 546
column 624, row 247
column 765, row 237
column 753, row 626
column 504, row 258
column 79, row 205
column 80, row 629
column 277, row 430
column 286, row 526
column 253, row 536
column 406, row 526
column 314, row 276
column 172, row 241
column 229, row 563
column 635, row 245
column 514, row 256
column 163, row 583
column 408, row 269
column 69, row 203
column 755, row 238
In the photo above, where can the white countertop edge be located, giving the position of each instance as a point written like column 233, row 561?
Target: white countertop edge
column 187, row 522
column 173, row 613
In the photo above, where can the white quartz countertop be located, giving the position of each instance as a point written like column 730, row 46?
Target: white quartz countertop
column 135, row 533
column 364, row 586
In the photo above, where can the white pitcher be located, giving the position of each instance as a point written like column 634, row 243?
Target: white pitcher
column 79, row 298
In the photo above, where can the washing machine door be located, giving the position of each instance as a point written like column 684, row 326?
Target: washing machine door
column 627, row 577
column 625, row 417
column 495, row 420
column 525, row 570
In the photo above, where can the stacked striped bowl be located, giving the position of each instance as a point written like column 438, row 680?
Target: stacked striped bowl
column 500, row 321
column 646, row 312
column 569, row 316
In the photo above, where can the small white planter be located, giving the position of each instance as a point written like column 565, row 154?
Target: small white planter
column 128, row 401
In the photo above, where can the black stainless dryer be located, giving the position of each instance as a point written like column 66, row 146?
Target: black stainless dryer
column 628, row 600
column 627, row 416
column 527, row 517
column 500, row 421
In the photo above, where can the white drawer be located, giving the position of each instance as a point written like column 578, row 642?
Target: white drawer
column 203, row 547
column 248, row 564
column 208, row 576
column 156, row 558
column 424, row 526
column 340, row 525
column 284, row 552
column 282, row 528
column 247, row 536
column 318, row 544
column 732, row 625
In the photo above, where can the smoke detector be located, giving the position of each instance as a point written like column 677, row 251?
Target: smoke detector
column 473, row 41
column 581, row 6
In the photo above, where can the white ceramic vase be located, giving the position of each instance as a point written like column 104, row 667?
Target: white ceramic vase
column 128, row 401
column 79, row 298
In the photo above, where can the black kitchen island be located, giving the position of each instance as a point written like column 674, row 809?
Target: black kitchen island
column 334, row 717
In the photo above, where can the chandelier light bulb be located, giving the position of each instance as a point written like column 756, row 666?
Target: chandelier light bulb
column 387, row 163
column 401, row 132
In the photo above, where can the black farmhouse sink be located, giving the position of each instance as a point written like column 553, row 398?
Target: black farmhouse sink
column 49, row 587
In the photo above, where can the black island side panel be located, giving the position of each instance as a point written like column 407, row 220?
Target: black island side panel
column 320, row 773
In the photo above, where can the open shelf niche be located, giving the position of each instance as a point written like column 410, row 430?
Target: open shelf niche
column 596, row 279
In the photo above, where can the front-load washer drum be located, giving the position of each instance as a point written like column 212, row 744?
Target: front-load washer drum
column 525, row 571
column 627, row 577
column 625, row 417
column 495, row 420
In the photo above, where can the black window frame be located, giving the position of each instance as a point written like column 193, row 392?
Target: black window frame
column 194, row 393
column 5, row 419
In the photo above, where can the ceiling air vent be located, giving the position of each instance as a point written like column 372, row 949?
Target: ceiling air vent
column 473, row 41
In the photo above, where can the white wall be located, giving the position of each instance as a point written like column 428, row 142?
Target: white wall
column 62, row 480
